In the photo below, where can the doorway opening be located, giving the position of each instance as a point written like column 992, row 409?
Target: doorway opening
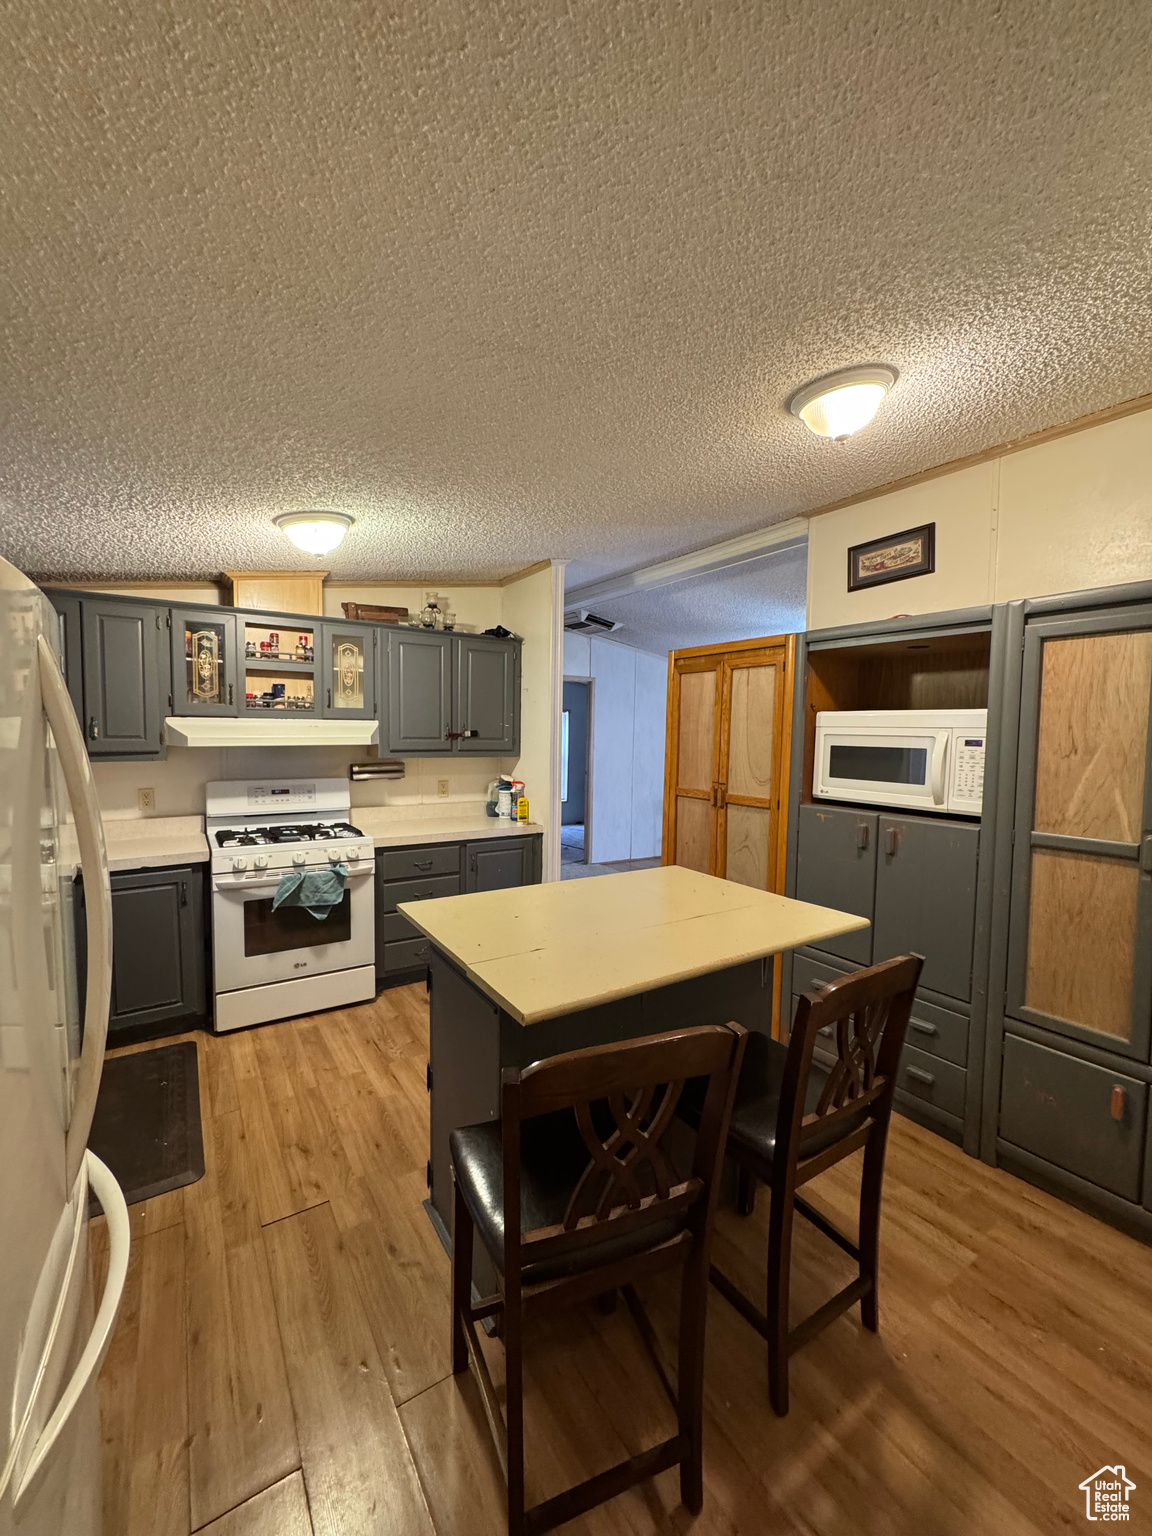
column 574, row 798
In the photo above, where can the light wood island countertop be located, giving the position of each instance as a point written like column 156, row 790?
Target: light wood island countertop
column 541, row 951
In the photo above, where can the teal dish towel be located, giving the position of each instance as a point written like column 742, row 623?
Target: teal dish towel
column 316, row 890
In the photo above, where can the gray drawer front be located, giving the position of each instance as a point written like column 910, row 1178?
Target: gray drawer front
column 807, row 974
column 417, row 863
column 406, row 955
column 1059, row 1109
column 938, row 1031
column 932, row 1081
column 391, row 895
column 395, row 926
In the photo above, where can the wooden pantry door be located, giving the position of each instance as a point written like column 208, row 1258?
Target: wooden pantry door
column 692, row 761
column 753, row 735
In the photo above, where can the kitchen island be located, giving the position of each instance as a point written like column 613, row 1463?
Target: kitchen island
column 521, row 974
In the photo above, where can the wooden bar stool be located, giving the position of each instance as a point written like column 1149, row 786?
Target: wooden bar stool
column 573, row 1197
column 794, row 1118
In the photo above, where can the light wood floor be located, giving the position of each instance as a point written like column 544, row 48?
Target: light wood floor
column 280, row 1366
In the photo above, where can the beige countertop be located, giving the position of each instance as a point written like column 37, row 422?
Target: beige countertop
column 545, row 950
column 145, row 842
column 390, row 827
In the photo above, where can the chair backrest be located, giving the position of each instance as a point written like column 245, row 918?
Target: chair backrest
column 863, row 1019
column 623, row 1097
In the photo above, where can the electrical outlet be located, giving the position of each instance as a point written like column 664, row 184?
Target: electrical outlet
column 442, row 788
column 146, row 799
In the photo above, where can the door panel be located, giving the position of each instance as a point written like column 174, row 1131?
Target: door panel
column 697, row 737
column 926, row 898
column 1090, row 761
column 485, row 694
column 498, row 866
column 748, row 845
column 158, row 970
column 752, row 712
column 1081, row 1117
column 122, row 646
column 203, row 662
column 694, row 820
column 1080, row 932
column 419, row 692
column 836, row 867
column 1082, row 937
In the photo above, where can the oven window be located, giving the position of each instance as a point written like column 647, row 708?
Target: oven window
column 879, row 765
column 269, row 933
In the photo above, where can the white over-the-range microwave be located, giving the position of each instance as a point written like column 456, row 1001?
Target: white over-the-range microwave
column 911, row 759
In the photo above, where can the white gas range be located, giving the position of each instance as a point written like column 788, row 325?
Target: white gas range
column 271, row 963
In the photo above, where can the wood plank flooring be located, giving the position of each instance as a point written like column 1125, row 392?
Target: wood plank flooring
column 280, row 1366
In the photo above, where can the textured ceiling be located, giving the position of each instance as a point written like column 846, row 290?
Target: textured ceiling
column 760, row 597
column 513, row 281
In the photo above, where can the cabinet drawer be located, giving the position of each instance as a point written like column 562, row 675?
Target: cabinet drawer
column 932, row 1081
column 807, row 973
column 394, row 926
column 406, row 955
column 1061, row 1109
column 415, row 863
column 938, row 1031
column 391, row 895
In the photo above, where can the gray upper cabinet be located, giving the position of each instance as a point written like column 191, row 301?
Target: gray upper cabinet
column 926, row 898
column 836, row 867
column 347, row 679
column 126, row 676
column 416, row 677
column 204, row 680
column 486, row 695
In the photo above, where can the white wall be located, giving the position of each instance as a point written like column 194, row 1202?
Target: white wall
column 626, row 792
column 1068, row 514
column 533, row 607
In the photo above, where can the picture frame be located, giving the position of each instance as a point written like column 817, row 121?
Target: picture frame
column 896, row 557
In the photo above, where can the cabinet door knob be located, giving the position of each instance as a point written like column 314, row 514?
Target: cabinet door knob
column 230, row 695
column 919, row 1075
column 862, row 834
column 1118, row 1102
column 183, row 893
column 924, row 1027
column 93, row 727
column 422, row 863
column 892, row 841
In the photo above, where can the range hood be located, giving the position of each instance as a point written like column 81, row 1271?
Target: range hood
column 226, row 731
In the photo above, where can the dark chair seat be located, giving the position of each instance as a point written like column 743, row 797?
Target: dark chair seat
column 553, row 1156
column 756, row 1112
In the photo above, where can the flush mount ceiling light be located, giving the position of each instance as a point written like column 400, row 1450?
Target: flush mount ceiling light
column 316, row 533
column 841, row 403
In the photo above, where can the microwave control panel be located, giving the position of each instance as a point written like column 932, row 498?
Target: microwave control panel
column 968, row 770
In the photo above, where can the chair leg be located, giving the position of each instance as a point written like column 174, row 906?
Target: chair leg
column 779, row 1277
column 690, row 1380
column 514, row 1408
column 871, row 1185
column 745, row 1191
column 461, row 1278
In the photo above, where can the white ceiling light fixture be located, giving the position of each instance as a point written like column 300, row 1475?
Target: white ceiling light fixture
column 316, row 533
column 841, row 403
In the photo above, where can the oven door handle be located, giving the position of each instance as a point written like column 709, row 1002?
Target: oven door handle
column 225, row 883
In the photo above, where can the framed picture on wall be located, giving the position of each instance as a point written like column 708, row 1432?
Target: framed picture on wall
column 894, row 558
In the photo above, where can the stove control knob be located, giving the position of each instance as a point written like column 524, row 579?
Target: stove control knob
column 334, row 855
column 299, row 858
column 261, row 861
column 239, row 864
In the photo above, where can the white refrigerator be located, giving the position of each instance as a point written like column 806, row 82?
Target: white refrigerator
column 53, row 1336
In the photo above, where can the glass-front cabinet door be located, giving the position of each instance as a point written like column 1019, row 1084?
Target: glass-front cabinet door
column 348, row 678
column 203, row 662
column 1080, row 943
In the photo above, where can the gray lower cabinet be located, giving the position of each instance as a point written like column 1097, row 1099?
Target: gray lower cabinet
column 1077, row 1115
column 430, row 870
column 159, row 956
column 126, row 677
column 926, row 898
column 836, row 867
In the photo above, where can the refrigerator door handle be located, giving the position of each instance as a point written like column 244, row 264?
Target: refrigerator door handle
column 97, row 900
column 108, row 1193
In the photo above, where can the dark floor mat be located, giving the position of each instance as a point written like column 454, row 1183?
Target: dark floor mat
column 147, row 1121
